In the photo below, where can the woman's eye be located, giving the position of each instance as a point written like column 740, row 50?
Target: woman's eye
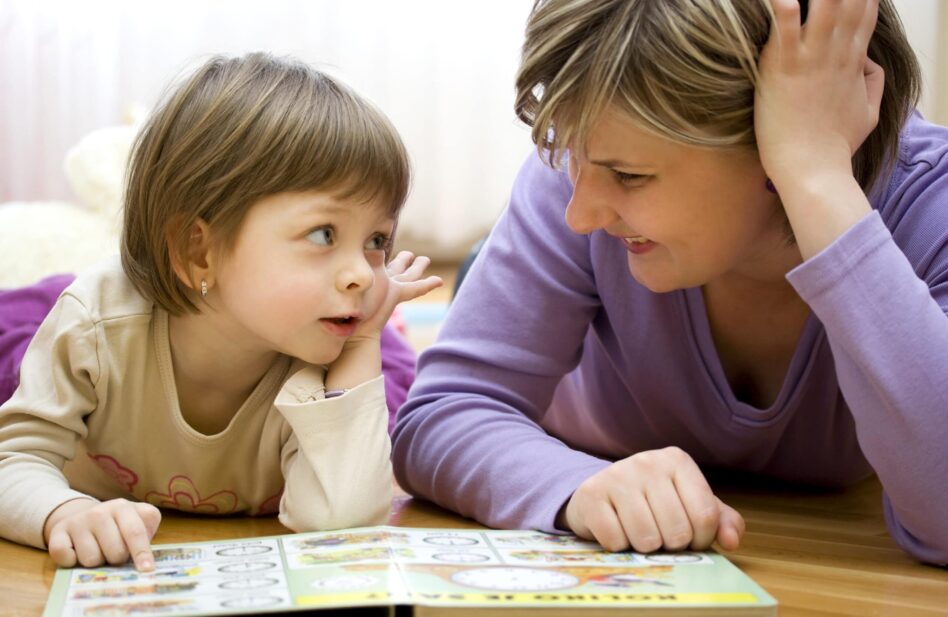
column 630, row 179
column 378, row 242
column 321, row 237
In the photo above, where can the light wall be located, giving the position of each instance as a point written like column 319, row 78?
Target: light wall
column 926, row 23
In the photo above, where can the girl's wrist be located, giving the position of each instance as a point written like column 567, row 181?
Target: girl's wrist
column 359, row 362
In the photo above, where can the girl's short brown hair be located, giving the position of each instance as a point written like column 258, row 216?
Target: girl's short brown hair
column 235, row 131
column 684, row 69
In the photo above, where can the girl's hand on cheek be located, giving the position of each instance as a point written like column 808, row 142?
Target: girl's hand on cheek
column 819, row 94
column 403, row 280
column 88, row 533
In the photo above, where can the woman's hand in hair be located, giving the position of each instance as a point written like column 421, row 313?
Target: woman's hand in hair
column 817, row 100
column 819, row 94
column 653, row 500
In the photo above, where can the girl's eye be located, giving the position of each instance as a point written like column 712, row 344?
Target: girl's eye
column 378, row 242
column 323, row 236
column 630, row 179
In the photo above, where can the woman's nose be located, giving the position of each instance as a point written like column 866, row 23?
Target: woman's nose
column 589, row 207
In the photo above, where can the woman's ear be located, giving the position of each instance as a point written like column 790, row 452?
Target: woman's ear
column 194, row 264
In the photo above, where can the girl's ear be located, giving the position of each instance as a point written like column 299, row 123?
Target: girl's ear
column 195, row 263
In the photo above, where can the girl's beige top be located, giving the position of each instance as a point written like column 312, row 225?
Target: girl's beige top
column 96, row 416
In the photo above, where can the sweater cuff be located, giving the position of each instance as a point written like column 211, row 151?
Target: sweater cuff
column 825, row 270
column 303, row 400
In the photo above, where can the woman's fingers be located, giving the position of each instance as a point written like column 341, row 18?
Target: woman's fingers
column 699, row 502
column 604, row 526
column 730, row 527
column 649, row 501
column 639, row 524
column 785, row 32
column 670, row 515
column 823, row 17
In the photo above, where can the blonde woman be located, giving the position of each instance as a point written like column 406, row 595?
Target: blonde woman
column 732, row 254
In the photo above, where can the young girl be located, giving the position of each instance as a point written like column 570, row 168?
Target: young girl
column 782, row 213
column 231, row 362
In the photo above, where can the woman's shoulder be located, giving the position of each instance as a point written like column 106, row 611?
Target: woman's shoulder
column 923, row 143
column 912, row 204
column 106, row 292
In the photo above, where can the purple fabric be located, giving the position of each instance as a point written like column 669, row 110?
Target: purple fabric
column 398, row 366
column 22, row 310
column 553, row 362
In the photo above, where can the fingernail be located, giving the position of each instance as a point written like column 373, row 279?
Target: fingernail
column 147, row 564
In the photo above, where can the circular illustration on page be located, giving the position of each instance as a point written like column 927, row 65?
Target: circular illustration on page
column 244, row 551
column 461, row 557
column 514, row 579
column 450, row 541
column 249, row 583
column 246, row 566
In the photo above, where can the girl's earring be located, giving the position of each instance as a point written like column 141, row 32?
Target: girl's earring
column 770, row 186
column 203, row 288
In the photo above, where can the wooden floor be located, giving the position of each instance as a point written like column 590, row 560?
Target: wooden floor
column 818, row 553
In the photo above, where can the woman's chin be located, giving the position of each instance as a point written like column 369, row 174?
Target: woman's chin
column 654, row 281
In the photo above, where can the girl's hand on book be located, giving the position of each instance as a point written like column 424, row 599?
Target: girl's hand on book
column 89, row 533
column 657, row 499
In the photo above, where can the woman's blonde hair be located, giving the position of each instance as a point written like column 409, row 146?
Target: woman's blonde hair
column 237, row 130
column 683, row 69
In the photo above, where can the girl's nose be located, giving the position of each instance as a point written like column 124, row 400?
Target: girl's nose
column 355, row 275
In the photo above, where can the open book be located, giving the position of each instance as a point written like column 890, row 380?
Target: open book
column 408, row 571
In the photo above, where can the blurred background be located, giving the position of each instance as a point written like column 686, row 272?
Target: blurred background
column 443, row 71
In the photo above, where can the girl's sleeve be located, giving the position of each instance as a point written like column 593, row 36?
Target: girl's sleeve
column 884, row 308
column 336, row 463
column 468, row 438
column 41, row 424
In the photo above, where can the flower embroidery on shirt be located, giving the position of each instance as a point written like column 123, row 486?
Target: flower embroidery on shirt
column 270, row 505
column 123, row 476
column 183, row 495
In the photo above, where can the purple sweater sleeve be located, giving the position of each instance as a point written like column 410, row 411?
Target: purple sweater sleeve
column 887, row 327
column 468, row 438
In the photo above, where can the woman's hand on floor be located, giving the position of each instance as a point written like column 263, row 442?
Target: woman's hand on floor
column 653, row 500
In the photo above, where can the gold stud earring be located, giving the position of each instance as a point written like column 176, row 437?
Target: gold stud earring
column 203, row 288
